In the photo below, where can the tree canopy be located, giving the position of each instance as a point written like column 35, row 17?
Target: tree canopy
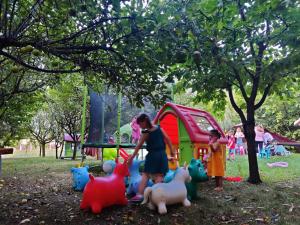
column 235, row 47
column 111, row 38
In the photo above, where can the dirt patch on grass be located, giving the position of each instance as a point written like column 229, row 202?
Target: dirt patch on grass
column 51, row 200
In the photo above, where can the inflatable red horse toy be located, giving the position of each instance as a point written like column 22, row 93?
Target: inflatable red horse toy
column 101, row 192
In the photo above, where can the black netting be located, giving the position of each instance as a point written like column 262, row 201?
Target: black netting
column 96, row 110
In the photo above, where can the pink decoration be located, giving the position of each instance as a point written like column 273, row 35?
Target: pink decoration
column 278, row 164
column 136, row 132
column 234, row 179
column 101, row 192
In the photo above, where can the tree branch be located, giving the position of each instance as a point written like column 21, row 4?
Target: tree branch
column 241, row 85
column 19, row 61
column 235, row 106
column 248, row 31
column 21, row 27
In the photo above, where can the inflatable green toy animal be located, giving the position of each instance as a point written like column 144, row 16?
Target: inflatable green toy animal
column 198, row 174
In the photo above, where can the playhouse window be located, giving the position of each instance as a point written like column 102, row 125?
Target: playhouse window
column 202, row 123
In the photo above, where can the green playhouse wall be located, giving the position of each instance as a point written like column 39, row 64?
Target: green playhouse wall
column 185, row 144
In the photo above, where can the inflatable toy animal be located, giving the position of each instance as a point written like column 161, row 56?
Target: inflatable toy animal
column 163, row 194
column 135, row 178
column 80, row 177
column 101, row 192
column 109, row 166
column 198, row 174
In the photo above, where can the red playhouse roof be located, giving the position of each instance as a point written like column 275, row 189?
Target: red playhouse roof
column 197, row 122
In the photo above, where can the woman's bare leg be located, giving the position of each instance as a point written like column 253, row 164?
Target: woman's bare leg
column 143, row 183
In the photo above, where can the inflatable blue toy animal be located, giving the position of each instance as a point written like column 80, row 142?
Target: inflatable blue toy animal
column 108, row 167
column 135, row 178
column 80, row 177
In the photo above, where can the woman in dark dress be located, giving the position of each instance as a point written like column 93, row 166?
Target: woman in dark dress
column 156, row 163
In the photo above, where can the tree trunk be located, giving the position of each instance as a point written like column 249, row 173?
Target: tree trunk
column 57, row 145
column 40, row 150
column 43, row 149
column 75, row 150
column 254, row 177
column 61, row 150
column 56, row 151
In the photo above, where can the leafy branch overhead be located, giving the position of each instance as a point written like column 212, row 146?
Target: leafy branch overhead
column 110, row 38
column 234, row 48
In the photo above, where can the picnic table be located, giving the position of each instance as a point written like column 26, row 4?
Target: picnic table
column 4, row 151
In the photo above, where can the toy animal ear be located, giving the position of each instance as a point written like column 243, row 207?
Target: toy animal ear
column 72, row 169
column 185, row 165
column 92, row 178
column 193, row 160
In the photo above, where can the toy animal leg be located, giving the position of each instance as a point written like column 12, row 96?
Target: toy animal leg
column 123, row 201
column 186, row 203
column 96, row 208
column 84, row 205
column 151, row 206
column 162, row 209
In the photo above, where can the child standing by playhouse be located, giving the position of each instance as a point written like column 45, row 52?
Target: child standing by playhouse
column 216, row 164
column 156, row 163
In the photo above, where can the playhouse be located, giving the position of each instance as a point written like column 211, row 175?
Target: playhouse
column 188, row 129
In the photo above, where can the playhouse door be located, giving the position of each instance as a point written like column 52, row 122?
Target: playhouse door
column 170, row 125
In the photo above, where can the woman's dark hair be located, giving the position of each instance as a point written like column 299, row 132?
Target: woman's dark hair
column 215, row 133
column 144, row 117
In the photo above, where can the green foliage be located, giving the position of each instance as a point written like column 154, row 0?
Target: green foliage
column 111, row 40
column 65, row 104
column 16, row 117
column 234, row 49
column 282, row 109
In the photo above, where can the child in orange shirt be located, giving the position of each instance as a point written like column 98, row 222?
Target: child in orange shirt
column 216, row 162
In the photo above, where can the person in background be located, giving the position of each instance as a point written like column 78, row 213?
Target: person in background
column 231, row 145
column 239, row 135
column 259, row 137
column 268, row 138
column 136, row 132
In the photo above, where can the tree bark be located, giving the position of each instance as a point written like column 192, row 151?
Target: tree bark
column 75, row 150
column 43, row 149
column 56, row 151
column 61, row 150
column 254, row 176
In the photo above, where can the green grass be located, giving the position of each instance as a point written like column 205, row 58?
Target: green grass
column 35, row 166
column 276, row 201
column 240, row 167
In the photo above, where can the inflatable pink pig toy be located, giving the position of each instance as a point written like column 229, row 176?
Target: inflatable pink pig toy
column 101, row 192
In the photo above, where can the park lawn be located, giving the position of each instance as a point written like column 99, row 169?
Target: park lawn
column 240, row 167
column 39, row 191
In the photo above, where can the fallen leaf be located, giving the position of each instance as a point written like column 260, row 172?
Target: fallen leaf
column 291, row 208
column 25, row 221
